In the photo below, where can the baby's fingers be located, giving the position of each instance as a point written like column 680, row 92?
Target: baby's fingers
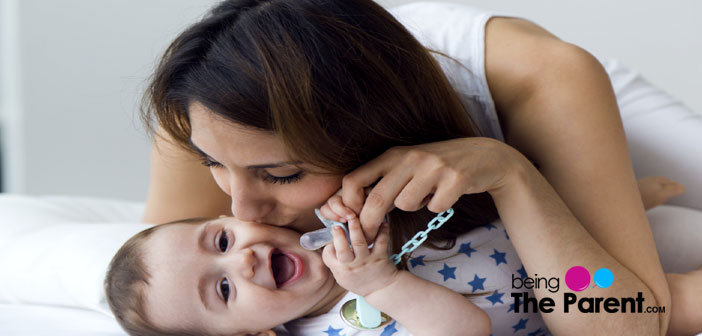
column 329, row 256
column 358, row 240
column 382, row 240
column 341, row 245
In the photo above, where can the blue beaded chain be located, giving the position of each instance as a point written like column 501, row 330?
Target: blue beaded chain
column 421, row 236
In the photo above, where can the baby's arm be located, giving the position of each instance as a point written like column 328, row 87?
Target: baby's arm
column 423, row 307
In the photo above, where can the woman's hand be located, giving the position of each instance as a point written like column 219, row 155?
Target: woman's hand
column 434, row 174
column 357, row 268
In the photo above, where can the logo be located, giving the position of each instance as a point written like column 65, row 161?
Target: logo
column 577, row 279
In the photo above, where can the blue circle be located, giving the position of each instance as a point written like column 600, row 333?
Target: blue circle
column 604, row 278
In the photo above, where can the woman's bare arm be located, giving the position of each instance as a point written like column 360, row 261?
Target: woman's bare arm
column 180, row 186
column 557, row 107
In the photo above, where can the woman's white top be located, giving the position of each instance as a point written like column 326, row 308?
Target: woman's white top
column 458, row 31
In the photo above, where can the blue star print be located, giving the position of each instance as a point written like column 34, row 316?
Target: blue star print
column 417, row 261
column 489, row 226
column 333, row 332
column 521, row 325
column 448, row 272
column 499, row 257
column 495, row 297
column 511, row 306
column 506, row 235
column 522, row 272
column 535, row 332
column 477, row 283
column 389, row 330
column 465, row 248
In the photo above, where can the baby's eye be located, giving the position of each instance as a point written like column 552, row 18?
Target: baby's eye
column 224, row 287
column 223, row 241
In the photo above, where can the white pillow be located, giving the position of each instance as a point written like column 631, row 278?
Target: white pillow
column 55, row 250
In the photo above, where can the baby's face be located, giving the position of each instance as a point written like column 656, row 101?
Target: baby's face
column 231, row 276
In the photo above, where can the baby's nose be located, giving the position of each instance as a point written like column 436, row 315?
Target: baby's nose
column 245, row 262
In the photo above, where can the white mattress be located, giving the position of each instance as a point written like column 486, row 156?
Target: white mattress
column 54, row 253
column 21, row 319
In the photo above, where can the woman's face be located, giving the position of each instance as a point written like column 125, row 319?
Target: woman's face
column 252, row 167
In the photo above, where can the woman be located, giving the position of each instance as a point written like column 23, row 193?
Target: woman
column 287, row 101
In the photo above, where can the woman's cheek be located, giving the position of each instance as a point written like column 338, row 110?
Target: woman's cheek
column 221, row 177
column 315, row 192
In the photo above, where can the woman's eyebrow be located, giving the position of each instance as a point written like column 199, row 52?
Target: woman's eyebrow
column 274, row 165
column 259, row 166
column 196, row 148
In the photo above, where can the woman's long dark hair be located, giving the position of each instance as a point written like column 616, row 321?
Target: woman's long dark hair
column 340, row 81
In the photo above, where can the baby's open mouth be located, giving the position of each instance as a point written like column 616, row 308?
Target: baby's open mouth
column 286, row 267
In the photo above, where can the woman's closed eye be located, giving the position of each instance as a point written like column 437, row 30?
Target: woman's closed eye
column 282, row 179
column 268, row 177
column 208, row 162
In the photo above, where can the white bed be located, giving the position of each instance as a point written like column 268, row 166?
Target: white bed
column 53, row 255
column 20, row 319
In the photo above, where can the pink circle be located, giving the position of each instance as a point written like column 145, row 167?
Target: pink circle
column 577, row 278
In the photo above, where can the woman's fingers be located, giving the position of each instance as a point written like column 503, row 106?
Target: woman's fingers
column 328, row 213
column 417, row 193
column 374, row 206
column 447, row 194
column 337, row 206
column 381, row 200
column 354, row 184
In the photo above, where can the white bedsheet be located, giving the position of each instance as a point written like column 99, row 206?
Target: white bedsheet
column 37, row 320
column 54, row 253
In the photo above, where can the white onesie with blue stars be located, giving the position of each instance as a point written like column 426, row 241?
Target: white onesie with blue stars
column 480, row 266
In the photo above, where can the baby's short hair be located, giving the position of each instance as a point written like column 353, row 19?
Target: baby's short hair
column 126, row 280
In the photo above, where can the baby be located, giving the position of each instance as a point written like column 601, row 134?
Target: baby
column 226, row 276
column 230, row 277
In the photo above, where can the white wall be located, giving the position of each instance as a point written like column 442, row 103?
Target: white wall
column 73, row 78
column 72, row 72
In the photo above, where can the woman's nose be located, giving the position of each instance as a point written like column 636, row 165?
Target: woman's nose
column 249, row 205
column 250, row 200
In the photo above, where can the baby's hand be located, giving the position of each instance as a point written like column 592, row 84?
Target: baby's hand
column 357, row 268
column 335, row 209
